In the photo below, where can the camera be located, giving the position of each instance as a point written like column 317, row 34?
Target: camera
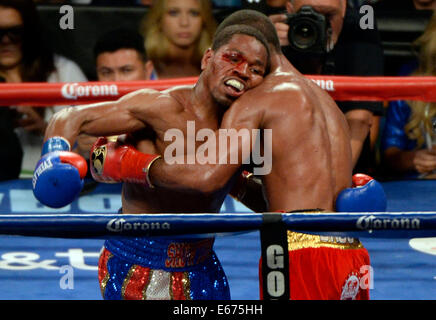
column 309, row 32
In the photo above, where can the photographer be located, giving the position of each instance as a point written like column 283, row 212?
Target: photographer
column 341, row 48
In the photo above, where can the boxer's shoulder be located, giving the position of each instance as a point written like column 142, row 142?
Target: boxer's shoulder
column 154, row 101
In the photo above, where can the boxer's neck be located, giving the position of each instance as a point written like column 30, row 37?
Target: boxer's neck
column 280, row 63
column 202, row 101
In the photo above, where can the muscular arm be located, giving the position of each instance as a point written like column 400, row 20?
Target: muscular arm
column 128, row 114
column 210, row 177
column 360, row 122
column 299, row 180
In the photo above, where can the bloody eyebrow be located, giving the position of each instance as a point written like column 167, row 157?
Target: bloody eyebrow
column 257, row 61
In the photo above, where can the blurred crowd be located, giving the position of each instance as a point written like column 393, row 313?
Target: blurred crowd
column 390, row 140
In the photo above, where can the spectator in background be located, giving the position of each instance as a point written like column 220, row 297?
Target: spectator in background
column 409, row 137
column 177, row 33
column 356, row 52
column 26, row 56
column 119, row 56
column 11, row 153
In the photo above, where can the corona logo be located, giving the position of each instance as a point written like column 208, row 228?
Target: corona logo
column 120, row 225
column 73, row 91
column 371, row 222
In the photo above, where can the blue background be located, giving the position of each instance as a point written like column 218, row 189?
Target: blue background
column 31, row 267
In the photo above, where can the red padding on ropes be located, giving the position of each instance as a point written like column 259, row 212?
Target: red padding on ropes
column 76, row 93
column 341, row 88
column 378, row 88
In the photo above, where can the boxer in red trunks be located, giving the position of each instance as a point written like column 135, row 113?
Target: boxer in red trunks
column 311, row 167
column 326, row 268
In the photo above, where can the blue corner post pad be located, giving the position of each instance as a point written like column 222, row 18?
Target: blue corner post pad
column 55, row 144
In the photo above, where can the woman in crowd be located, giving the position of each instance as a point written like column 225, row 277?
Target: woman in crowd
column 26, row 56
column 409, row 139
column 177, row 33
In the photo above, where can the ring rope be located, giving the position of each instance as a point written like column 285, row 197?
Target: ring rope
column 341, row 88
column 360, row 224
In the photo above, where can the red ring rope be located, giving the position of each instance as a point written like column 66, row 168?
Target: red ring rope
column 341, row 88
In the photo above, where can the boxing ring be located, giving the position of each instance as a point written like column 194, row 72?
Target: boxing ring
column 34, row 267
column 42, row 258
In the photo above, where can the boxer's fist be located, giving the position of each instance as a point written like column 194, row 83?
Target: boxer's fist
column 58, row 176
column 105, row 160
column 113, row 162
column 366, row 195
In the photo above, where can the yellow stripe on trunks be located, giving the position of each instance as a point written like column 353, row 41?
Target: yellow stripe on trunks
column 298, row 241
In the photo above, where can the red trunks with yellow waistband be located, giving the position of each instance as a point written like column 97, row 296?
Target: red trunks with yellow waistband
column 326, row 268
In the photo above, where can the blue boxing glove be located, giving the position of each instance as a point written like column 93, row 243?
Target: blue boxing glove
column 58, row 176
column 366, row 195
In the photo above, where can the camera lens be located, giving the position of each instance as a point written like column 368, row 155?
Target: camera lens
column 303, row 34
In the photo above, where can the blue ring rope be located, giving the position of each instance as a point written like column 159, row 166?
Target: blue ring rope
column 380, row 225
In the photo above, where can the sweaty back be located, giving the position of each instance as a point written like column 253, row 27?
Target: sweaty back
column 311, row 152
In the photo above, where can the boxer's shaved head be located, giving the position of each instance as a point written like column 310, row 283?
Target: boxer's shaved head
column 256, row 20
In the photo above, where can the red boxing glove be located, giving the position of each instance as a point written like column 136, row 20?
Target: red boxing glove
column 113, row 162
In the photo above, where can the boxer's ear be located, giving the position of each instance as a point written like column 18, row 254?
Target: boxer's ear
column 206, row 58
